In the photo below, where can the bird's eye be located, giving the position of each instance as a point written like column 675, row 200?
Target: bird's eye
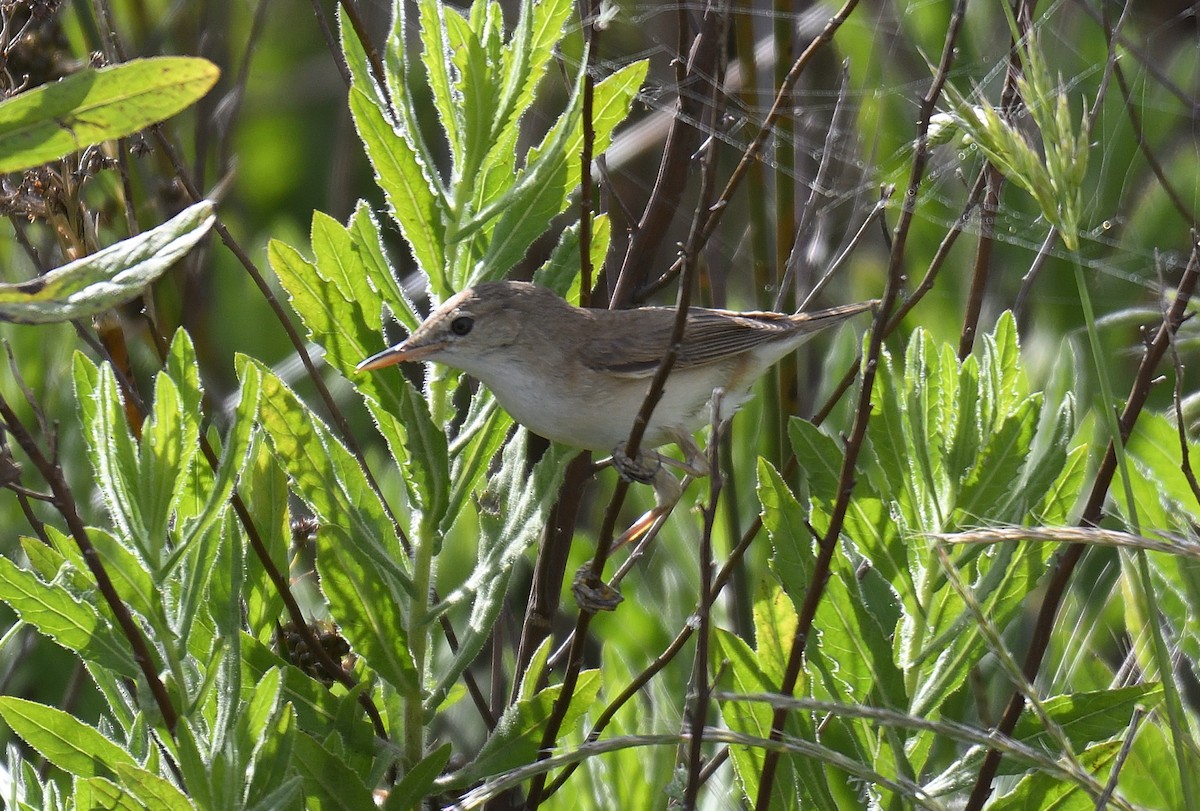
column 462, row 325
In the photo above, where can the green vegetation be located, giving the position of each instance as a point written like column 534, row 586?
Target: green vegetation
column 951, row 557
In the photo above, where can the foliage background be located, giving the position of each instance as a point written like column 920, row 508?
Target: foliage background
column 278, row 131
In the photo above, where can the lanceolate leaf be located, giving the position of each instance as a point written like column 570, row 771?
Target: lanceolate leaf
column 109, row 277
column 326, row 476
column 367, row 614
column 505, row 535
column 62, row 739
column 95, row 105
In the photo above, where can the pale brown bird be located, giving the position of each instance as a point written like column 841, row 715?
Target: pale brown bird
column 579, row 376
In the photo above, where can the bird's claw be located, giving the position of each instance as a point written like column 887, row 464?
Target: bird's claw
column 592, row 594
column 641, row 470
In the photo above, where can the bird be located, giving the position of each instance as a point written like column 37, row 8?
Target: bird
column 579, row 376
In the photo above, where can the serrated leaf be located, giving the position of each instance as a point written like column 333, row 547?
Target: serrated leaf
column 506, row 532
column 368, row 248
column 73, row 624
column 417, row 783
column 97, row 792
column 200, row 535
column 98, row 104
column 552, row 172
column 333, row 297
column 743, row 674
column 327, row 477
column 168, row 445
column 328, row 782
column 274, row 783
column 868, row 521
column 151, row 790
column 411, row 192
column 1088, row 717
column 366, row 612
column 998, row 466
column 560, row 272
column 437, row 59
column 518, row 734
column 476, row 92
column 1047, row 792
column 109, row 277
column 64, row 740
column 114, row 456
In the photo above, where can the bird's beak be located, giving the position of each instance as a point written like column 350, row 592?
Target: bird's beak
column 399, row 353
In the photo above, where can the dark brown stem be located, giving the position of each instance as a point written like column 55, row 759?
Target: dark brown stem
column 588, row 12
column 64, row 502
column 701, row 687
column 854, row 443
column 1061, row 575
column 983, row 260
column 750, row 155
column 714, row 21
column 681, row 144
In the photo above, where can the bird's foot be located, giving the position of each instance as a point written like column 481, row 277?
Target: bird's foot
column 642, row 470
column 592, row 594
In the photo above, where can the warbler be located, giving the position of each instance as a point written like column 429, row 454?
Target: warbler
column 579, row 375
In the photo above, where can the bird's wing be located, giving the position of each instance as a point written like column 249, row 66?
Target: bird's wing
column 710, row 336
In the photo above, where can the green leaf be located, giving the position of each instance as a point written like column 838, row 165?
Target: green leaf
column 437, row 60
column 869, row 522
column 476, row 92
column 552, row 172
column 360, row 602
column 1090, row 716
column 524, row 60
column 74, row 624
column 109, row 277
column 115, row 458
column 412, row 193
column 327, row 477
column 333, row 297
column 200, row 535
column 989, row 484
column 1047, row 792
column 315, row 706
column 506, row 532
column 516, row 740
column 93, row 105
column 418, row 782
column 97, row 792
column 64, row 740
column 328, row 782
column 483, row 432
column 168, row 446
column 151, row 790
column 743, row 674
column 270, row 756
column 561, row 271
column 367, row 247
column 131, row 580
column 419, row 448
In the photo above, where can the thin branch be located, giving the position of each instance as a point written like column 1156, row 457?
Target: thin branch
column 862, row 414
column 701, row 688
column 1060, row 575
column 64, row 502
column 750, row 155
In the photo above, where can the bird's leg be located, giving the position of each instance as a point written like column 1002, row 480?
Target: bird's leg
column 667, row 489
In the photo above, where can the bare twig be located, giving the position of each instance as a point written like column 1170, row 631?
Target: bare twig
column 858, row 432
column 1060, row 576
column 64, row 502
